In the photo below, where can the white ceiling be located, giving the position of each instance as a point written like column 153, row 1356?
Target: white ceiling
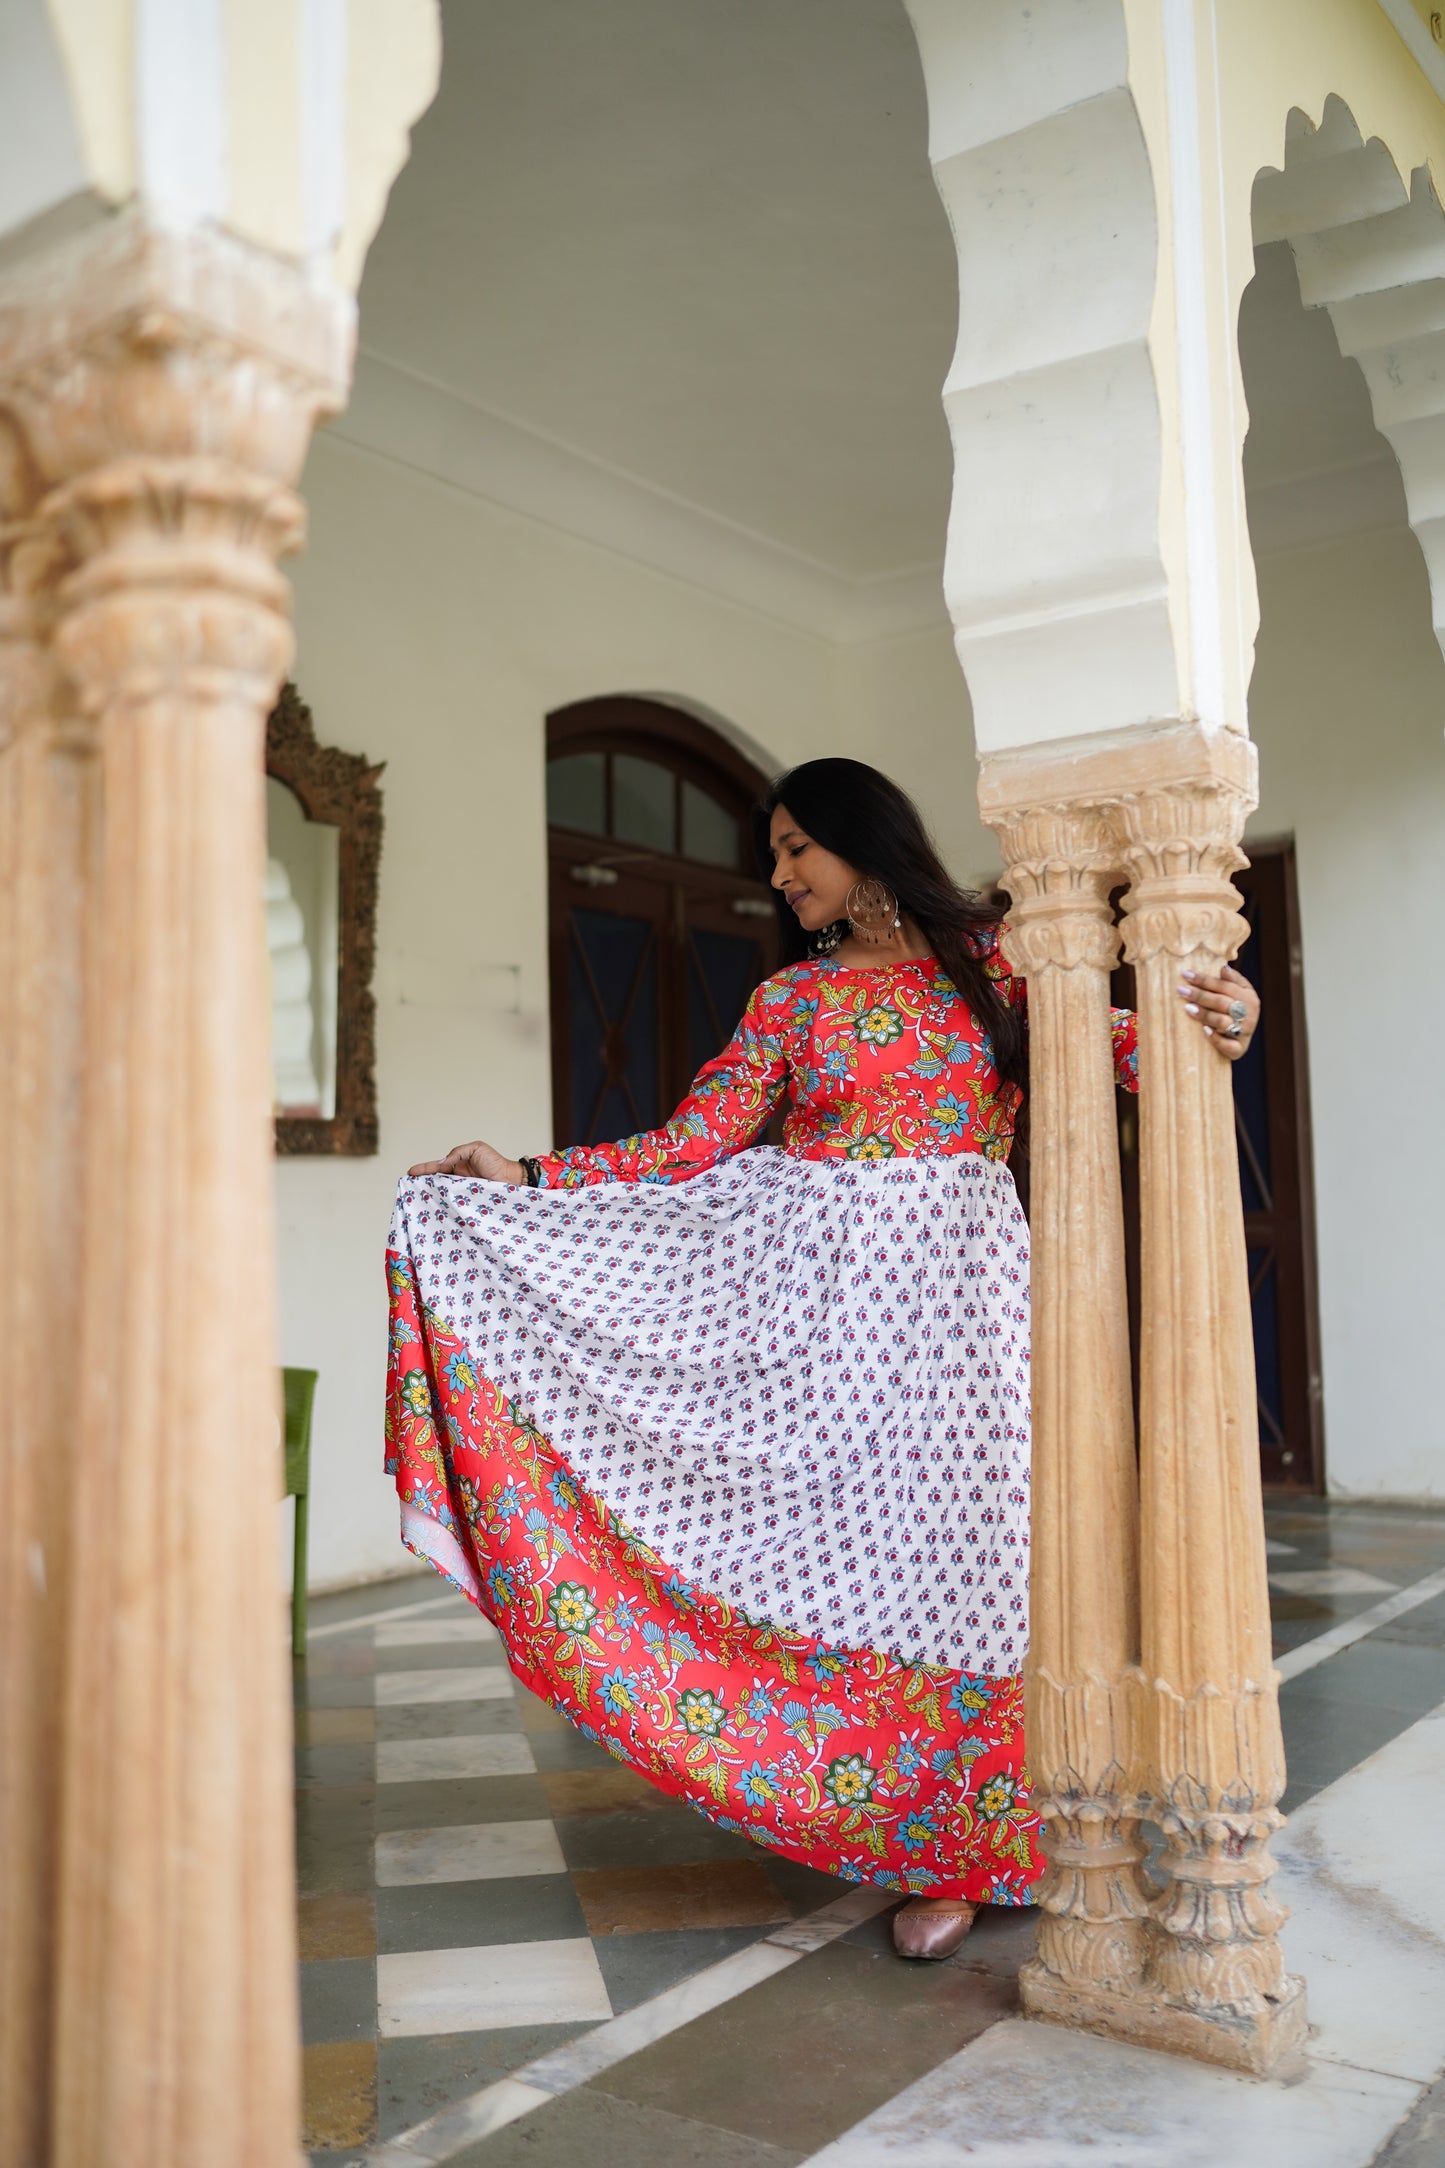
column 697, row 243
column 697, row 240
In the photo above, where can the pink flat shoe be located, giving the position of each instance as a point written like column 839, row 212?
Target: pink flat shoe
column 929, row 1930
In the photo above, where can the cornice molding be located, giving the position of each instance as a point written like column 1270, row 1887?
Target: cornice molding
column 1305, row 511
column 1416, row 38
column 400, row 415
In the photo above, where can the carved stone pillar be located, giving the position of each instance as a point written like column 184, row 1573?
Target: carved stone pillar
column 167, row 387
column 1083, row 1602
column 46, row 790
column 1214, row 1753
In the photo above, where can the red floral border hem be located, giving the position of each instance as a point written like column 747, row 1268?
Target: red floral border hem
column 851, row 1761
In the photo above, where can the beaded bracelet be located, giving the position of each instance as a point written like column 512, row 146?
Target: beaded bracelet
column 532, row 1171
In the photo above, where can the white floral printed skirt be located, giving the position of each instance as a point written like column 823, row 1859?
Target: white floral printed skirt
column 803, row 1383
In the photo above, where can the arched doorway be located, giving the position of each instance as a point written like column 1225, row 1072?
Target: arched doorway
column 660, row 924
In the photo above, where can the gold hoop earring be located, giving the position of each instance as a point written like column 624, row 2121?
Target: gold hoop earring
column 872, row 910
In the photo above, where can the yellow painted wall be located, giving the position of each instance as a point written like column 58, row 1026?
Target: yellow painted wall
column 393, row 60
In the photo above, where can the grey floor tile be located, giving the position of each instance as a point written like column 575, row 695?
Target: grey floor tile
column 328, row 1867
column 539, row 1715
column 336, row 1809
column 446, row 1802
column 1383, row 1674
column 1420, row 2140
column 1290, row 1633
column 809, row 2052
column 329, row 1693
column 647, row 1836
column 330, row 1765
column 335, row 1838
column 804, row 1888
column 636, row 1967
column 344, row 1658
column 1424, row 1627
column 338, row 1999
column 388, row 1595
column 1336, row 1734
column 464, row 1915
column 446, row 1719
column 568, row 1750
column 441, row 1656
column 1321, row 1760
column 1001, row 1938
column 602, row 2132
column 414, row 2078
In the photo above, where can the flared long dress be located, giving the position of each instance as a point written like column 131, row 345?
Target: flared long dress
column 732, row 1442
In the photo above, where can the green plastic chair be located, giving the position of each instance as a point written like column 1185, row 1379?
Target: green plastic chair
column 298, row 1388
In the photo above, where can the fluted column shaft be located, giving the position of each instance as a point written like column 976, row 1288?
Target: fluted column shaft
column 1083, row 1603
column 1183, row 1720
column 46, row 825
column 1214, row 1752
column 166, row 390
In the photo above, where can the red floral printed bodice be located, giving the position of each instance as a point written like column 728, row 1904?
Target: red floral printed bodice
column 883, row 1063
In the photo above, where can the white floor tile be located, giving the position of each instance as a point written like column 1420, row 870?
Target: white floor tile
column 1330, row 1581
column 494, row 1683
column 421, row 1761
column 1359, row 1869
column 1038, row 2096
column 474, row 1852
column 420, row 1633
column 507, row 1983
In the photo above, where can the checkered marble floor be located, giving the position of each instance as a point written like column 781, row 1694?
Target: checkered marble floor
column 481, row 1886
column 478, row 1882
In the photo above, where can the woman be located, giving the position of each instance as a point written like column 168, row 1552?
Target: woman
column 731, row 1443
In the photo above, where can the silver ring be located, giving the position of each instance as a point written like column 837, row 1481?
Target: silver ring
column 1234, row 1031
column 1238, row 1012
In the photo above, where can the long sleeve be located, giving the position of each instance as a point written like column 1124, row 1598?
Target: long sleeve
column 728, row 1108
column 1123, row 1023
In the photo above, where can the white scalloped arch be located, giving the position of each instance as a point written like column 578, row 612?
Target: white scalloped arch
column 1053, row 572
column 1369, row 247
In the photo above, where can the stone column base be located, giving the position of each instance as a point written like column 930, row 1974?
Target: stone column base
column 1269, row 2043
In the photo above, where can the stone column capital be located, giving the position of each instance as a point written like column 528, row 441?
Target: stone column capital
column 1059, row 866
column 124, row 342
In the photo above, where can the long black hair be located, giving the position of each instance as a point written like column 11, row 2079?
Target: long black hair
column 861, row 817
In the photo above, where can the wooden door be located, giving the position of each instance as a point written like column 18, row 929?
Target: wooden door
column 659, row 928
column 1271, row 1121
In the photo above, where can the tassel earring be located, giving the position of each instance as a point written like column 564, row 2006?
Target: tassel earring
column 872, row 911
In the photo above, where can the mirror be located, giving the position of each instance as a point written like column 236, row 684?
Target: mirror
column 303, row 883
column 323, row 848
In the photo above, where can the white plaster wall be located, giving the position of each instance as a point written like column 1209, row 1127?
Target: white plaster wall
column 435, row 632
column 1348, row 706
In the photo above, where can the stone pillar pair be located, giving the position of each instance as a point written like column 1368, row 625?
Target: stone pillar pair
column 1150, row 1686
column 157, row 395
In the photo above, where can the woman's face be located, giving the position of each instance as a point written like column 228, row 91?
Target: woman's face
column 814, row 882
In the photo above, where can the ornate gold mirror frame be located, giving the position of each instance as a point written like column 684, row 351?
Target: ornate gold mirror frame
column 340, row 789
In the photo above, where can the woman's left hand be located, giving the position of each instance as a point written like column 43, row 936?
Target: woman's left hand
column 1227, row 1008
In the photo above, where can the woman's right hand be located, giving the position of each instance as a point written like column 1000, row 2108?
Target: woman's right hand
column 478, row 1162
